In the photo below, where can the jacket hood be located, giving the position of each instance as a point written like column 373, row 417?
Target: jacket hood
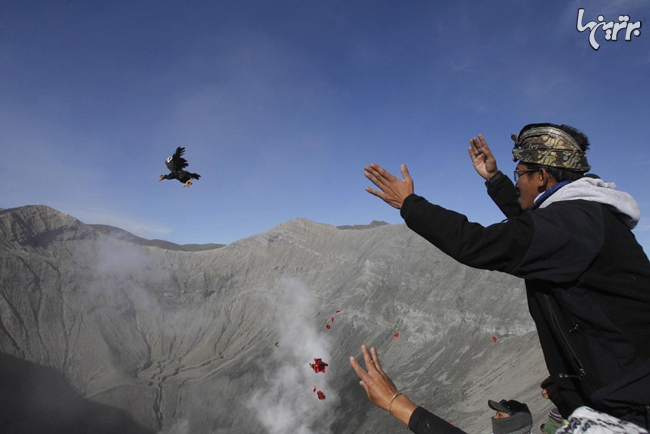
column 597, row 190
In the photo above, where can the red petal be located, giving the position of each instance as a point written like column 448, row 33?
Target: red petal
column 321, row 395
column 313, row 389
column 494, row 338
column 396, row 335
column 338, row 311
column 328, row 326
column 318, row 365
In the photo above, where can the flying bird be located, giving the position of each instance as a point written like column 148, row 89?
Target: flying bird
column 176, row 165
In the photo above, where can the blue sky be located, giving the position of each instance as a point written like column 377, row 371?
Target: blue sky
column 280, row 104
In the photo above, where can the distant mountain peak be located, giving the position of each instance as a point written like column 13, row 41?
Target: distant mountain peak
column 123, row 235
column 39, row 224
column 373, row 224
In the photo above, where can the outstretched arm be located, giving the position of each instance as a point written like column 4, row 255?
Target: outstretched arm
column 392, row 190
column 482, row 158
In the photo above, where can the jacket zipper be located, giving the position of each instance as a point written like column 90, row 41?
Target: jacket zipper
column 574, row 358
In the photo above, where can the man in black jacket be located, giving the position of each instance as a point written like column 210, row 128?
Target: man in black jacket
column 568, row 235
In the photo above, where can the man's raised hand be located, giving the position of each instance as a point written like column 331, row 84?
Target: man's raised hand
column 392, row 190
column 482, row 158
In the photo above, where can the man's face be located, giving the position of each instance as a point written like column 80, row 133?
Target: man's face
column 527, row 186
column 501, row 415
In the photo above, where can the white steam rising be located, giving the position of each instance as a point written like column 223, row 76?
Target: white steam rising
column 285, row 401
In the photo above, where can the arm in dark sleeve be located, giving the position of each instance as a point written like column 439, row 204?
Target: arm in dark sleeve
column 502, row 191
column 556, row 243
column 497, row 247
column 424, row 422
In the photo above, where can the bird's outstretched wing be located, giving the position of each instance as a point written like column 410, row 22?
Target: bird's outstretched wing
column 176, row 162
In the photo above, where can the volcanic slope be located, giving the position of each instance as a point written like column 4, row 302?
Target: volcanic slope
column 98, row 331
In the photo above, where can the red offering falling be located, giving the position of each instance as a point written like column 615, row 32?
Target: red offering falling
column 494, row 338
column 313, row 389
column 332, row 319
column 321, row 395
column 328, row 326
column 396, row 335
column 318, row 365
column 338, row 311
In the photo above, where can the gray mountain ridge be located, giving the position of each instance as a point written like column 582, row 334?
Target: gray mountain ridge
column 127, row 236
column 150, row 339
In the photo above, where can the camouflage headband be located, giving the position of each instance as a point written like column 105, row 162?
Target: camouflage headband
column 549, row 146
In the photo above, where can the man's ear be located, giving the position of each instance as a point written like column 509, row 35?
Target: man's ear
column 546, row 180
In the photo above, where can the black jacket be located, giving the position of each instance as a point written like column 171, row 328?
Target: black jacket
column 588, row 289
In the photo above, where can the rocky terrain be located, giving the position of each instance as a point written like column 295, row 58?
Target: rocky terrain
column 101, row 331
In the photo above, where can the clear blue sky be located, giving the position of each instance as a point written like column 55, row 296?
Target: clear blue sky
column 280, row 104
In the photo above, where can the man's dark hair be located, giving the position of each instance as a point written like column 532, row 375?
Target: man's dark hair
column 557, row 173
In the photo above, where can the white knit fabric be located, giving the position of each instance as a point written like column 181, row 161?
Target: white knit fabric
column 585, row 420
